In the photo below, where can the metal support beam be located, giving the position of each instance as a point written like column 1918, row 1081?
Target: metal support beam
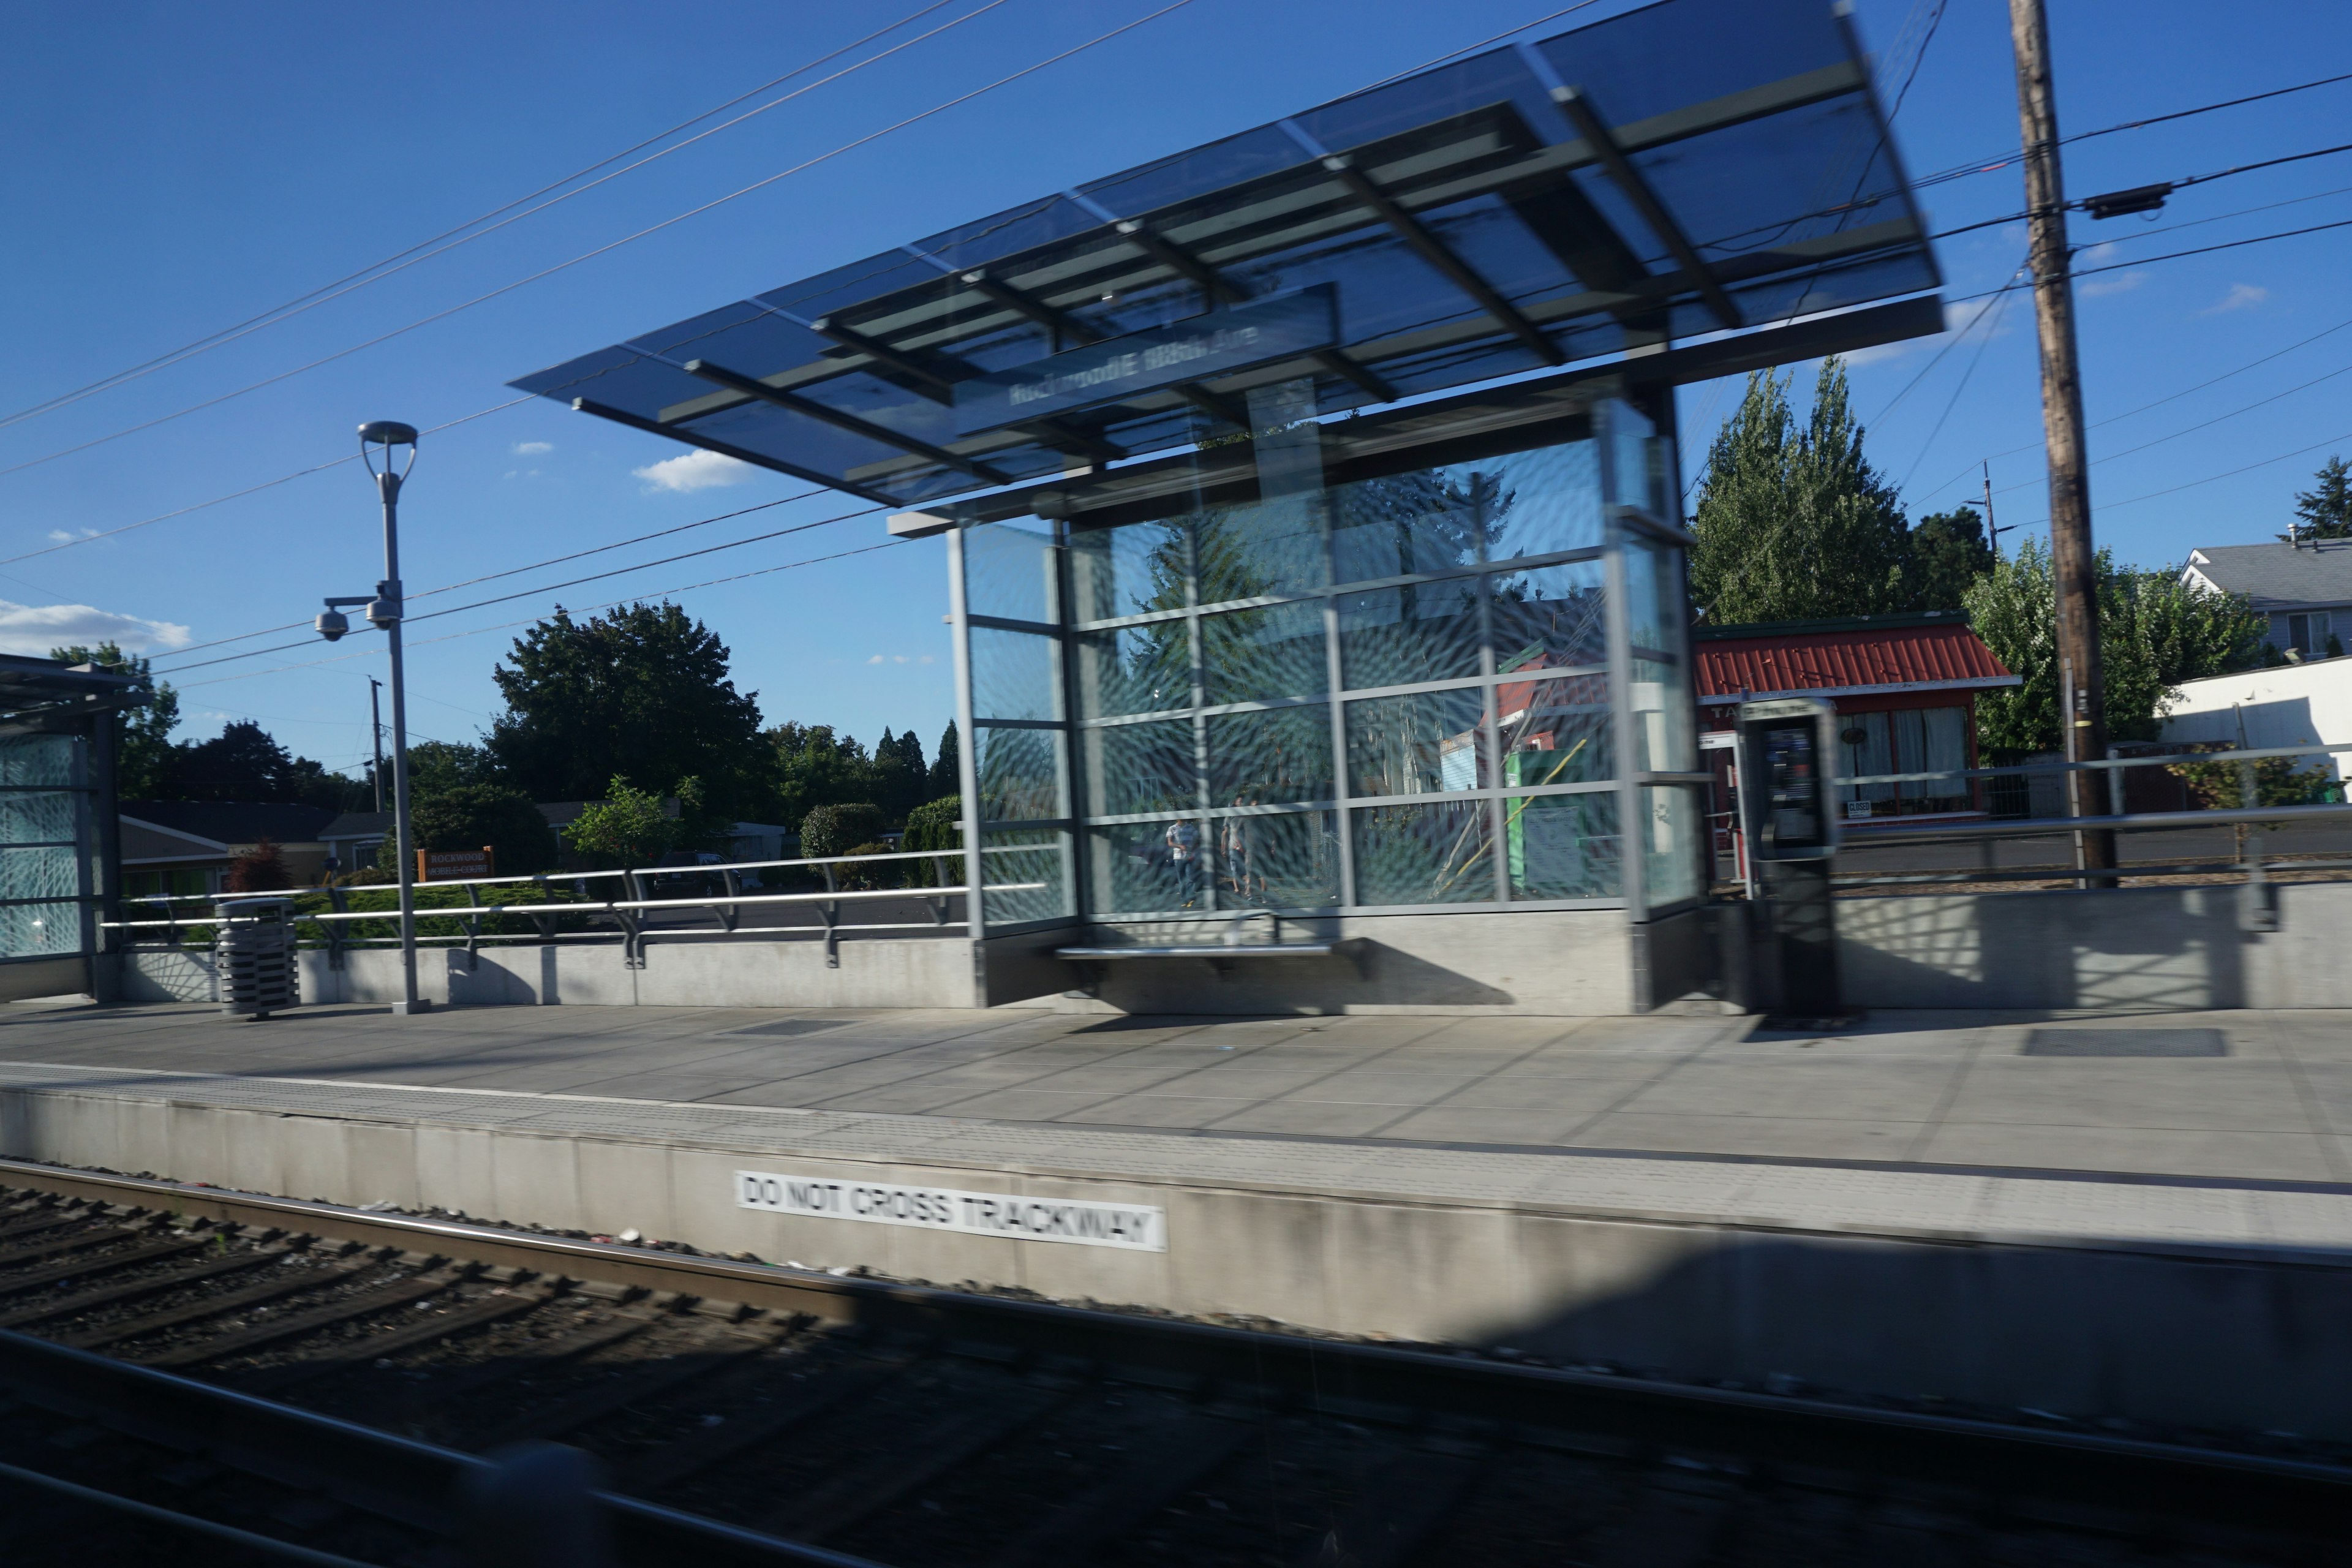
column 809, row 407
column 940, row 387
column 1433, row 250
column 1053, row 318
column 728, row 449
column 1578, row 103
column 1220, row 289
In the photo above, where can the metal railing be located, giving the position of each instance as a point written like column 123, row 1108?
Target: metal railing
column 626, row 914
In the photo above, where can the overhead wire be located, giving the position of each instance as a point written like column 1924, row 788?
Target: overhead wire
column 505, row 288
column 402, row 260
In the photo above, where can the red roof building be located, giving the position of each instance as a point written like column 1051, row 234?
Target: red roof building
column 1906, row 686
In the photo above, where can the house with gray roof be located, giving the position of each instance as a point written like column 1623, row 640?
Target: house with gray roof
column 2305, row 590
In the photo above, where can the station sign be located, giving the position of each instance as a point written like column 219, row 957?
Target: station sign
column 1134, row 1226
column 1215, row 344
column 455, row 865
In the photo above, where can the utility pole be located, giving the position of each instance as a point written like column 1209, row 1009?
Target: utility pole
column 375, row 729
column 1993, row 533
column 2084, row 723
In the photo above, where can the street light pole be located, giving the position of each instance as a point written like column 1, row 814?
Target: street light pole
column 375, row 733
column 377, row 440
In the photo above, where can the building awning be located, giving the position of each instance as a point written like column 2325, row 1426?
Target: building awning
column 1693, row 167
column 1858, row 657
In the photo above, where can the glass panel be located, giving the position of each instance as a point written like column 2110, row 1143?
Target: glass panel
column 1025, row 877
column 30, row 929
column 37, row 759
column 1553, row 617
column 1140, row 767
column 1866, row 748
column 1556, row 731
column 1135, row 669
column 1288, row 860
column 1143, row 867
column 1564, row 847
column 1441, row 853
column 39, row 874
column 1546, row 500
column 36, row 818
column 1008, row 571
column 1250, row 552
column 1270, row 758
column 1942, row 745
column 1669, row 829
column 1012, row 675
column 1248, row 656
column 1402, row 637
column 1656, row 616
column 1020, row 774
column 1417, row 745
column 1408, row 524
column 1662, row 721
column 1632, row 441
column 1128, row 570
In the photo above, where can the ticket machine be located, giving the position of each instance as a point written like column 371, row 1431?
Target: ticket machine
column 1787, row 757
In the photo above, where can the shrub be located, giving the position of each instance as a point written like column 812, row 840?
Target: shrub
column 261, row 870
column 936, row 825
column 627, row 828
column 468, row 815
column 856, row 877
column 2278, row 781
column 832, row 829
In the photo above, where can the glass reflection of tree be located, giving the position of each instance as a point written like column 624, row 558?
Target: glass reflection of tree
column 1567, row 631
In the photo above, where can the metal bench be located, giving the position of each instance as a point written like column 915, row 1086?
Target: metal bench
column 1221, row 955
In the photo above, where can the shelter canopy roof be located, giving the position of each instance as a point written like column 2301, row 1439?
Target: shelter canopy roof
column 1690, row 167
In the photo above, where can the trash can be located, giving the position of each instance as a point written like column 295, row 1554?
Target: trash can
column 253, row 957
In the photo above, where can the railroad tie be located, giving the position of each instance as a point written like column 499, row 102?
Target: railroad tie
column 865, row 1490
column 254, row 1336
column 81, row 1242
column 337, row 1358
column 536, row 1358
column 292, row 1282
column 84, row 1269
column 1154, row 1475
column 593, row 1404
column 1399, row 1508
column 676, row 1461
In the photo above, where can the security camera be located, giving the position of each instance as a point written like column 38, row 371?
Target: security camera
column 332, row 624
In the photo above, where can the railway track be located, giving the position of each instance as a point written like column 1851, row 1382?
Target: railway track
column 233, row 1378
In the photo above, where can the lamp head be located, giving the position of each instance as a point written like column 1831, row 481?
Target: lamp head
column 332, row 624
column 378, row 438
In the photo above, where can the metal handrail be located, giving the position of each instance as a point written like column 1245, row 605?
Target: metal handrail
column 471, row 911
column 2173, row 759
column 2129, row 822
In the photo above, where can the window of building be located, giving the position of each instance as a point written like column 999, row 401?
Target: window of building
column 2307, row 633
column 1905, row 740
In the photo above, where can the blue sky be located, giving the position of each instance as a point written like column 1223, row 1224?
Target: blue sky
column 178, row 169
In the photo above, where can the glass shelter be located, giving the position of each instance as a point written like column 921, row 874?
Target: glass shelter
column 1455, row 682
column 58, row 871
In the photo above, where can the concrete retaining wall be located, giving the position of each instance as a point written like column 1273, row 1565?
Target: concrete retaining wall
column 2135, row 1328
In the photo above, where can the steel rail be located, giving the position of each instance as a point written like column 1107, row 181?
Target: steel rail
column 2061, row 1468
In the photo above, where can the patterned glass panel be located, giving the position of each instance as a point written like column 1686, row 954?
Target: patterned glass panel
column 1270, row 758
column 1008, row 571
column 1250, row 552
column 1405, row 525
column 1556, row 731
column 1632, row 448
column 1286, row 860
column 1012, row 675
column 36, row 818
column 1564, row 845
column 37, row 759
column 1655, row 614
column 1128, row 570
column 1417, row 745
column 1441, row 853
column 1140, row 767
column 1402, row 637
column 1554, row 618
column 39, row 874
column 1135, row 669
column 1662, row 722
column 1020, row 774
column 26, row 930
column 1546, row 500
column 1248, row 656
column 1144, row 867
column 1669, row 829
column 1025, row 877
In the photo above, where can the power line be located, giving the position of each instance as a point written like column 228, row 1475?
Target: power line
column 2084, row 204
column 401, row 261
column 601, row 249
column 1992, row 316
column 1470, row 48
column 250, row 489
column 1952, row 341
column 2210, row 479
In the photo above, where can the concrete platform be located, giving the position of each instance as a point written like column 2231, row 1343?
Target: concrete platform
column 1962, row 1204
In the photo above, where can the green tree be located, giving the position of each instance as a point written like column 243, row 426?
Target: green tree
column 839, row 829
column 142, row 746
column 1948, row 553
column 1795, row 524
column 935, row 825
column 469, row 814
column 2325, row 509
column 901, row 780
column 245, row 762
column 643, row 691
column 2154, row 632
column 946, row 767
column 814, row 766
column 628, row 828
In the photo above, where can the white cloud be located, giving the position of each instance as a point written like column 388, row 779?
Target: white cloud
column 2113, row 283
column 63, row 537
column 694, row 471
column 532, row 448
column 878, row 658
column 2241, row 297
column 37, row 628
